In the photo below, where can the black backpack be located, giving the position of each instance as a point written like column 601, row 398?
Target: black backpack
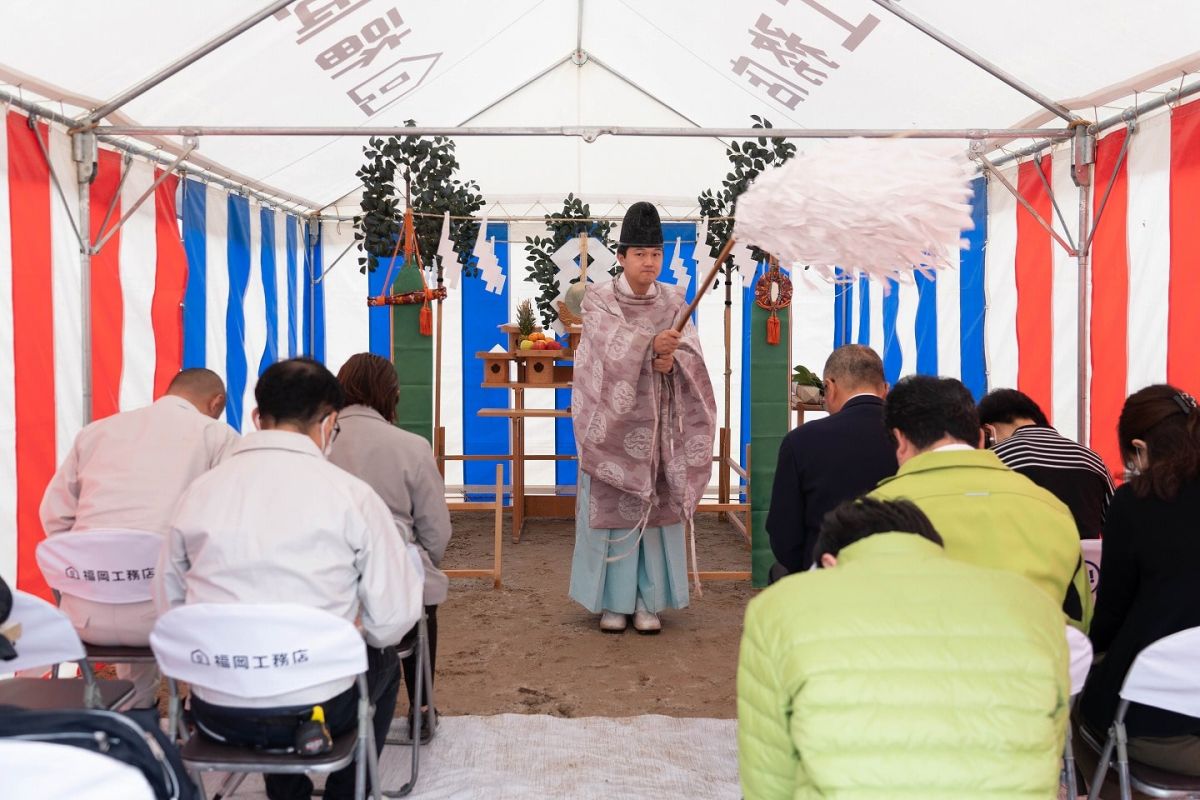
column 111, row 734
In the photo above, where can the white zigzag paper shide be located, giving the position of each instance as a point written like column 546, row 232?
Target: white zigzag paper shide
column 877, row 207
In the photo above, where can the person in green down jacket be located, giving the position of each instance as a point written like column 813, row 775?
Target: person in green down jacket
column 987, row 514
column 897, row 672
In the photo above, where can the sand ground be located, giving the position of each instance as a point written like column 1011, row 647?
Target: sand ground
column 528, row 648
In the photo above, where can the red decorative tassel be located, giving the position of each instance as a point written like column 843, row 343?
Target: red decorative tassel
column 426, row 320
column 773, row 328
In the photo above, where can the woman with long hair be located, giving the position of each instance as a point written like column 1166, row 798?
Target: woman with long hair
column 1149, row 571
column 401, row 468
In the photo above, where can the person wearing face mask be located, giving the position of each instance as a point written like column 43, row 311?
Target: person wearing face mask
column 277, row 523
column 1148, row 568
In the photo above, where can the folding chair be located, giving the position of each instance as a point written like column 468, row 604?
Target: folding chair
column 60, row 770
column 1162, row 676
column 1092, row 549
column 261, row 651
column 48, row 638
column 1080, row 648
column 104, row 566
column 419, row 645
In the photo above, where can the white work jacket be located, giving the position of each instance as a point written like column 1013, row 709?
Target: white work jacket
column 127, row 471
column 277, row 523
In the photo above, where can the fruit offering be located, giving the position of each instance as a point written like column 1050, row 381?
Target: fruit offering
column 527, row 337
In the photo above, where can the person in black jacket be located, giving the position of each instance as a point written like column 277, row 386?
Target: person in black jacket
column 1148, row 571
column 1020, row 435
column 830, row 460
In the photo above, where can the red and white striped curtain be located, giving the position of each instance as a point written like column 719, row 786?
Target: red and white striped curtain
column 136, row 289
column 1145, row 277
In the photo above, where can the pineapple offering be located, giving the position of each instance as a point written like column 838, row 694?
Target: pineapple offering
column 528, row 337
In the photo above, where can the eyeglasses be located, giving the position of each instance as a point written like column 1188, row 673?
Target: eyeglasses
column 337, row 428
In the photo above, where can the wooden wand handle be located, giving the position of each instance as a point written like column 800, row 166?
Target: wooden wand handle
column 704, row 287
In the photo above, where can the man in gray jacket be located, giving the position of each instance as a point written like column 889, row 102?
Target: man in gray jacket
column 400, row 467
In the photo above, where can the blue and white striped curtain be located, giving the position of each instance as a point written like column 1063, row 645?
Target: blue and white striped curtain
column 250, row 296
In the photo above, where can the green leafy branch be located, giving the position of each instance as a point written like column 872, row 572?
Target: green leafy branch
column 425, row 171
column 747, row 159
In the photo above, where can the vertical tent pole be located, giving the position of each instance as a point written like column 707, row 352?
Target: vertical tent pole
column 439, row 435
column 1084, row 158
column 310, row 241
column 727, row 432
column 83, row 150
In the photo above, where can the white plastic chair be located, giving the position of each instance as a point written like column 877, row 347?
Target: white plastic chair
column 48, row 638
column 1092, row 549
column 40, row 769
column 262, row 651
column 104, row 566
column 1080, row 649
column 1164, row 675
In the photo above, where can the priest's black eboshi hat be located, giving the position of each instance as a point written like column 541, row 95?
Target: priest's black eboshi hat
column 641, row 226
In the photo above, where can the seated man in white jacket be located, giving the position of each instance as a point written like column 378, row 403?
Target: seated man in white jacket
column 277, row 523
column 127, row 472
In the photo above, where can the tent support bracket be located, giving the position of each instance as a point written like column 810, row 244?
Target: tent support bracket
column 1112, row 179
column 995, row 71
column 991, row 170
column 1037, row 161
column 329, row 269
column 54, row 177
column 126, row 162
column 102, row 238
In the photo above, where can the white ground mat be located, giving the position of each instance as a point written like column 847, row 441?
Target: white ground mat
column 513, row 756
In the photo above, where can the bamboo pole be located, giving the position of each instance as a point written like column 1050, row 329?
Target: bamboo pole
column 708, row 279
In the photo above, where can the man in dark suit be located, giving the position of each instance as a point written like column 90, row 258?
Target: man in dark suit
column 830, row 460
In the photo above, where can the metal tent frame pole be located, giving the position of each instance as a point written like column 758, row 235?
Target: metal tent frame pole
column 83, row 150
column 184, row 61
column 587, row 132
column 1084, row 158
column 992, row 69
column 1131, row 114
column 1082, row 134
column 228, row 180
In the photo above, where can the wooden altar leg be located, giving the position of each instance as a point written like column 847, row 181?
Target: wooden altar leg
column 439, row 450
column 723, row 469
column 518, row 467
column 498, row 545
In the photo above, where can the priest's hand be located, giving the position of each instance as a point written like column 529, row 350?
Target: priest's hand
column 663, row 364
column 666, row 342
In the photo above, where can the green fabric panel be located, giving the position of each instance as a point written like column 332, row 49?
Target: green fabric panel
column 412, row 356
column 770, row 373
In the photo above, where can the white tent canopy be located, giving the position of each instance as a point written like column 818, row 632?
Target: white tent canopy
column 672, row 63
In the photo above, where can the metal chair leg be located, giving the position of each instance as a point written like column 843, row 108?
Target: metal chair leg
column 360, row 762
column 1102, row 766
column 1069, row 766
column 230, row 785
column 1123, row 759
column 430, row 703
column 415, row 714
column 373, row 762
